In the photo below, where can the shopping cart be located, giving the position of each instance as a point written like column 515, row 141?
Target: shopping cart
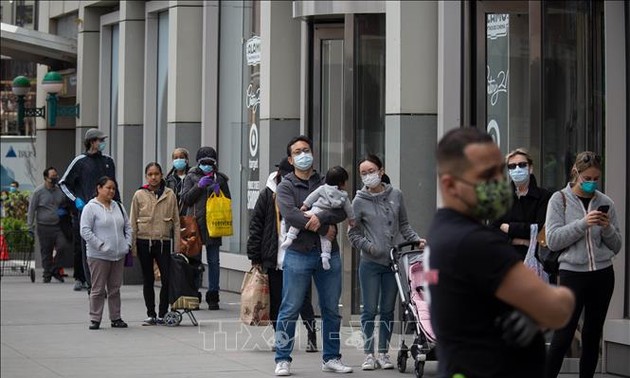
column 16, row 254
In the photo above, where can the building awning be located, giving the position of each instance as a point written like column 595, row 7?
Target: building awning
column 35, row 46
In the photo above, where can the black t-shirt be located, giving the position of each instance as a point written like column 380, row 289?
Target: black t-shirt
column 472, row 260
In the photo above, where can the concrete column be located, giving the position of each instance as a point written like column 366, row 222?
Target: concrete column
column 411, row 105
column 130, row 99
column 210, row 74
column 88, row 63
column 184, row 75
column 279, row 82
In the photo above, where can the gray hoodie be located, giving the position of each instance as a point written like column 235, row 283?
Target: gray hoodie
column 587, row 248
column 107, row 233
column 381, row 223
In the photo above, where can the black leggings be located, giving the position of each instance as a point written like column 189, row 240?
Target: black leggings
column 159, row 251
column 593, row 291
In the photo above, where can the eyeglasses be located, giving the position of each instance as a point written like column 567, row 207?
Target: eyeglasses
column 591, row 156
column 522, row 164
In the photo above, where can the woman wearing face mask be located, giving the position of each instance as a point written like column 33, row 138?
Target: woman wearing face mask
column 381, row 223
column 584, row 224
column 200, row 182
column 529, row 204
column 175, row 177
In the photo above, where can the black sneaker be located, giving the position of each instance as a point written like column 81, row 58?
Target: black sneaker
column 94, row 324
column 58, row 277
column 119, row 323
column 46, row 280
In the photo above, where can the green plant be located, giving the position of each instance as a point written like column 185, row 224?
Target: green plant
column 16, row 205
column 16, row 234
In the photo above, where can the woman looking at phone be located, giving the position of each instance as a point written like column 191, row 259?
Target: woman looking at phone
column 584, row 225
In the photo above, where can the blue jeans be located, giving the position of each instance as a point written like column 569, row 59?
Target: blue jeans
column 212, row 255
column 298, row 270
column 377, row 279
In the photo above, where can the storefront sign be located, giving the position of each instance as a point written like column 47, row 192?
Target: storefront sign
column 498, row 78
column 252, row 49
column 18, row 162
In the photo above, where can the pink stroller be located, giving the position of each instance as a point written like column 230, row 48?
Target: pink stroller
column 408, row 270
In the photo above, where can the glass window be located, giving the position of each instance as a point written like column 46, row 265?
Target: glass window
column 239, row 54
column 113, row 94
column 507, row 80
column 370, row 84
column 162, row 88
column 573, row 92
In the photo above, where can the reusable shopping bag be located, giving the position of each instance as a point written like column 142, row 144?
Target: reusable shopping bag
column 530, row 258
column 219, row 215
column 190, row 239
column 255, row 298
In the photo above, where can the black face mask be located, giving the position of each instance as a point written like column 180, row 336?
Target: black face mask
column 54, row 180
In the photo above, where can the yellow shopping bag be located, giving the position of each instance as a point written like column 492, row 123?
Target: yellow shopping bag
column 219, row 215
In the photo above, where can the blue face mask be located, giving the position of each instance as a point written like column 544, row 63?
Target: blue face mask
column 12, row 189
column 303, row 161
column 519, row 175
column 101, row 146
column 179, row 164
column 206, row 168
column 588, row 187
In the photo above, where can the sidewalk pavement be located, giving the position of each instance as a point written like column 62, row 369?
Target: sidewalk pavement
column 44, row 333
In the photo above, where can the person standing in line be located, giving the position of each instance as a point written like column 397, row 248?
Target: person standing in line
column 106, row 230
column 529, row 202
column 381, row 223
column 302, row 261
column 584, row 224
column 154, row 220
column 47, row 205
column 200, row 182
column 79, row 181
column 487, row 307
column 14, row 187
column 262, row 250
column 175, row 177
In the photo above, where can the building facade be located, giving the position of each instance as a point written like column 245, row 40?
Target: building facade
column 380, row 77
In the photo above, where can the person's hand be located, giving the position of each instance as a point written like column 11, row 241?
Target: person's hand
column 303, row 208
column 313, row 223
column 61, row 212
column 332, row 233
column 604, row 221
column 79, row 203
column 518, row 329
column 593, row 218
column 505, row 227
column 205, row 181
column 351, row 223
column 422, row 243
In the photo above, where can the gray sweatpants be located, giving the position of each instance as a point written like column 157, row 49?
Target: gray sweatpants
column 107, row 277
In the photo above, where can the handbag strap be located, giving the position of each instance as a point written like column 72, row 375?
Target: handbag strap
column 124, row 218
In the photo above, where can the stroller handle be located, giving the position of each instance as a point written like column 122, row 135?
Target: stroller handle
column 396, row 252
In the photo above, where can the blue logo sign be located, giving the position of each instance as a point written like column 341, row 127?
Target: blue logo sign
column 11, row 152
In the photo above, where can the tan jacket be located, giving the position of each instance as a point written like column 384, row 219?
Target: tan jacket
column 154, row 218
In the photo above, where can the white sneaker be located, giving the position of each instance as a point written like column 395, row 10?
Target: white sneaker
column 336, row 366
column 384, row 361
column 283, row 368
column 369, row 363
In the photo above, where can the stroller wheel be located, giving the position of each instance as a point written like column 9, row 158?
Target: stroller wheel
column 419, row 369
column 402, row 360
column 171, row 319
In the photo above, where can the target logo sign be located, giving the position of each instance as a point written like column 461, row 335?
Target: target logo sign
column 253, row 140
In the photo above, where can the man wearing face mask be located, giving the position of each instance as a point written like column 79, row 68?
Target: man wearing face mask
column 200, row 182
column 302, row 261
column 79, row 185
column 45, row 210
column 487, row 307
column 529, row 202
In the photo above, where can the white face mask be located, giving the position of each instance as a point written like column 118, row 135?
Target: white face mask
column 371, row 180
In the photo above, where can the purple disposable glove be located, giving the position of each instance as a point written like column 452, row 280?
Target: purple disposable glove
column 205, row 181
column 216, row 188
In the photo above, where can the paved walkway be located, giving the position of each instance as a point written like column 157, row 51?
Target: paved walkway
column 44, row 333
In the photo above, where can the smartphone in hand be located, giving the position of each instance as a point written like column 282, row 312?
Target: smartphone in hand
column 604, row 208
